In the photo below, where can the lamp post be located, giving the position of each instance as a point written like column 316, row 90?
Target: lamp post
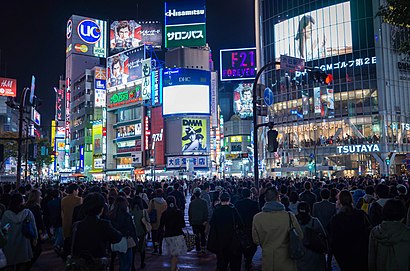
column 21, row 108
column 255, row 124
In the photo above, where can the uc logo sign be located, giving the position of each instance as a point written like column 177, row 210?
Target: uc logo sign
column 89, row 31
column 69, row 29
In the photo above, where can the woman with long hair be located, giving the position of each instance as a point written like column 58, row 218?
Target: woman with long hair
column 18, row 250
column 122, row 221
column 139, row 214
column 313, row 259
column 33, row 204
column 172, row 221
column 349, row 234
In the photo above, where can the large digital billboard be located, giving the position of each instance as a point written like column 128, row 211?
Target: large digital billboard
column 242, row 100
column 128, row 34
column 238, row 64
column 185, row 23
column 125, row 67
column 8, row 87
column 86, row 36
column 186, row 91
column 317, row 34
column 124, row 97
column 194, row 133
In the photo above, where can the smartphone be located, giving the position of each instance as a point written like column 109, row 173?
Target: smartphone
column 6, row 227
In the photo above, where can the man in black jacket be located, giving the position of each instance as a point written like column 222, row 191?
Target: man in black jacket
column 247, row 209
column 198, row 217
column 179, row 196
column 93, row 235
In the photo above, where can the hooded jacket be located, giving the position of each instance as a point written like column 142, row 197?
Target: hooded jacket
column 389, row 247
column 18, row 249
column 270, row 230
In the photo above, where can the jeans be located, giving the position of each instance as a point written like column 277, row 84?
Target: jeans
column 125, row 260
column 200, row 238
column 58, row 233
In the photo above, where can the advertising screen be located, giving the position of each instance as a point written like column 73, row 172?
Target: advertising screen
column 97, row 139
column 317, row 34
column 86, row 36
column 193, row 35
column 127, row 96
column 194, row 133
column 186, row 91
column 100, row 87
column 128, row 34
column 8, row 87
column 238, row 64
column 242, row 100
column 125, row 67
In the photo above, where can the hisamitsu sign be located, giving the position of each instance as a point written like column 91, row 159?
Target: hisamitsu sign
column 364, row 148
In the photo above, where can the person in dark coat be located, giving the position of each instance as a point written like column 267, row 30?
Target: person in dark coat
column 54, row 213
column 307, row 195
column 179, row 196
column 222, row 239
column 93, row 235
column 247, row 209
column 198, row 217
column 349, row 235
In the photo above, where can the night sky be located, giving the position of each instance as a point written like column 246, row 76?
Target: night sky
column 32, row 35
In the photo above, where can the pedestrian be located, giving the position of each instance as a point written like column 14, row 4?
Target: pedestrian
column 313, row 260
column 92, row 236
column 349, row 234
column 18, row 250
column 389, row 244
column 156, row 207
column 247, row 209
column 54, row 213
column 68, row 203
column 222, row 238
column 271, row 229
column 33, row 204
column 123, row 222
column 307, row 195
column 172, row 223
column 198, row 218
column 139, row 214
column 375, row 209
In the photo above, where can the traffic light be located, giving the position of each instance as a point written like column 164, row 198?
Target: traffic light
column 388, row 161
column 321, row 76
column 311, row 165
column 273, row 141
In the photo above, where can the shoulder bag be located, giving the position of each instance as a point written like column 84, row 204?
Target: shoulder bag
column 296, row 248
column 28, row 229
column 315, row 241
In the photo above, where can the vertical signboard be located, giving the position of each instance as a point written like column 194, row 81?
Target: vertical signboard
column 330, row 99
column 156, row 87
column 100, row 91
column 67, row 123
column 214, row 98
column 59, row 103
column 316, row 98
column 81, row 167
column 305, row 103
column 146, row 79
column 147, row 133
column 158, row 136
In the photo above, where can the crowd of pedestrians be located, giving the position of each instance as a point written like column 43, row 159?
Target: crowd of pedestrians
column 359, row 223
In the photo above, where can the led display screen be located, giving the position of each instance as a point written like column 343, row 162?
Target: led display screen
column 186, row 99
column 317, row 34
column 242, row 100
column 238, row 64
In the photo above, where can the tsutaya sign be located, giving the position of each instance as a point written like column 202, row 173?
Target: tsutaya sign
column 358, row 148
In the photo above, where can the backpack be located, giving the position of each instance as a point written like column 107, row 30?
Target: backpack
column 315, row 241
column 365, row 207
column 28, row 229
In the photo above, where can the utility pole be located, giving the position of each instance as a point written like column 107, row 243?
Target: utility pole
column 21, row 108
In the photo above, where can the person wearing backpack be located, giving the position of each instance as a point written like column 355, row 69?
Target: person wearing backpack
column 156, row 207
column 315, row 240
column 365, row 201
column 375, row 209
column 18, row 249
column 389, row 244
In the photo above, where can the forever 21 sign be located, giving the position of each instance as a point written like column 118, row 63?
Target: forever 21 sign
column 238, row 64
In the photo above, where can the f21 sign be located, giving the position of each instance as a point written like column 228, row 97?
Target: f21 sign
column 238, row 64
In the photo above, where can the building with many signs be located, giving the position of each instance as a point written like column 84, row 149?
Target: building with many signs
column 354, row 122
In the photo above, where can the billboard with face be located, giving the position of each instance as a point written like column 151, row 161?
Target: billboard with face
column 86, row 36
column 194, row 133
column 125, row 67
column 242, row 100
column 317, row 34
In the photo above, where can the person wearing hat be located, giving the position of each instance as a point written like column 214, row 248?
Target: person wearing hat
column 198, row 217
column 222, row 238
column 195, row 137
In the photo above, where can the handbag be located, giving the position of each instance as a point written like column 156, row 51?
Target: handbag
column 121, row 246
column 130, row 242
column 28, row 229
column 315, row 241
column 145, row 223
column 245, row 240
column 3, row 260
column 189, row 240
column 296, row 247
